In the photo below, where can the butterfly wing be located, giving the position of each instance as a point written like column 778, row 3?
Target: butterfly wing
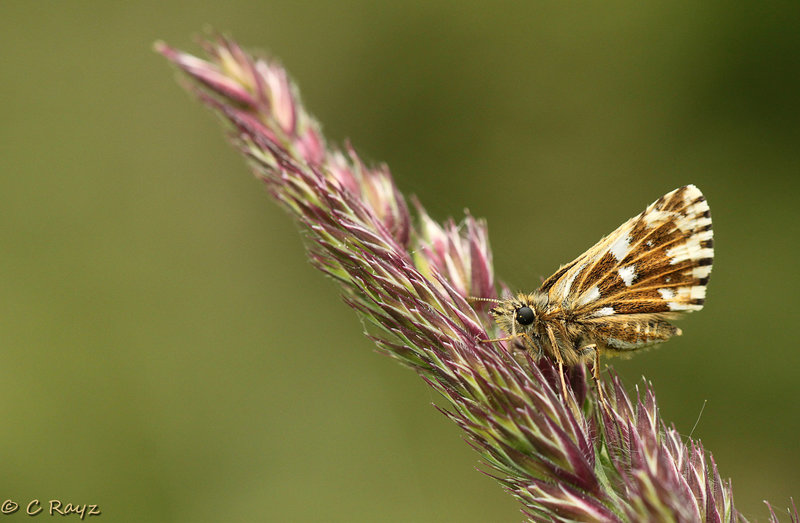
column 655, row 265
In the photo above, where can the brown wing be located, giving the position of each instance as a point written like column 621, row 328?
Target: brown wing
column 655, row 263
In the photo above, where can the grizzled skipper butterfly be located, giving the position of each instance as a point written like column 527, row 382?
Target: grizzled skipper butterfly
column 616, row 297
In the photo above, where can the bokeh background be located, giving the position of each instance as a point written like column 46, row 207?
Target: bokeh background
column 167, row 353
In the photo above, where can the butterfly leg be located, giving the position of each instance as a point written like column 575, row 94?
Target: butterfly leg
column 561, row 375
column 559, row 359
column 507, row 338
column 595, row 371
column 531, row 346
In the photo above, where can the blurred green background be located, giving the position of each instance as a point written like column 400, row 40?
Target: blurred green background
column 168, row 354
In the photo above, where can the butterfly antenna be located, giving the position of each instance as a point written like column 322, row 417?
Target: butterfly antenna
column 473, row 299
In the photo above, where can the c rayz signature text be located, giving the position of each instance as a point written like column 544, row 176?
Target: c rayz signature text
column 53, row 507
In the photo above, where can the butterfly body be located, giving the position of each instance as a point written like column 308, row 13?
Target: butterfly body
column 616, row 298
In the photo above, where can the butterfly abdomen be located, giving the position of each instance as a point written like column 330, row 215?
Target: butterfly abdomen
column 622, row 336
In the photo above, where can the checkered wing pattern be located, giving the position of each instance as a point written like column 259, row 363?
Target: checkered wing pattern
column 652, row 267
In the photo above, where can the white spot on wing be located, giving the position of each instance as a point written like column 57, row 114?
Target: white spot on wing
column 697, row 209
column 698, row 292
column 667, row 294
column 628, row 274
column 683, row 298
column 619, row 249
column 605, row 311
column 701, row 271
column 590, row 296
column 691, row 249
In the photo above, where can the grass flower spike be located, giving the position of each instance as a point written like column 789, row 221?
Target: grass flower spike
column 410, row 279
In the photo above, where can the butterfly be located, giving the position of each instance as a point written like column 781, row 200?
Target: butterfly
column 617, row 297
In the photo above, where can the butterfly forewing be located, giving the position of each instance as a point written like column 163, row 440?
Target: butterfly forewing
column 653, row 266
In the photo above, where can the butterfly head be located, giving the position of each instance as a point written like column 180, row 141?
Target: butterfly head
column 521, row 314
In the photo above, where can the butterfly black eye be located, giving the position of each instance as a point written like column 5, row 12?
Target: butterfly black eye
column 525, row 315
